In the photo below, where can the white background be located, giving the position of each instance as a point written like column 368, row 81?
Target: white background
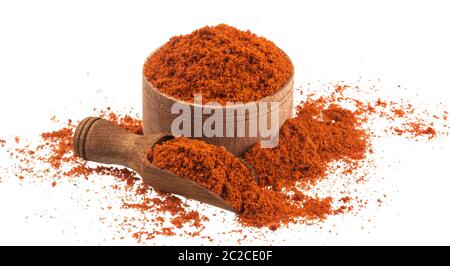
column 54, row 54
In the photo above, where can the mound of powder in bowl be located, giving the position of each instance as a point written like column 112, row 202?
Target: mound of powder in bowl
column 221, row 63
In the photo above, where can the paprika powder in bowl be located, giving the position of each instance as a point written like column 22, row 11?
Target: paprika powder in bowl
column 220, row 85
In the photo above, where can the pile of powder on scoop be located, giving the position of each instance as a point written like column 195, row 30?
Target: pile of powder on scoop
column 219, row 171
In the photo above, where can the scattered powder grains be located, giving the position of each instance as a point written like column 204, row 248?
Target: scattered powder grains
column 55, row 150
column 174, row 206
column 400, row 116
column 416, row 129
column 126, row 121
column 222, row 63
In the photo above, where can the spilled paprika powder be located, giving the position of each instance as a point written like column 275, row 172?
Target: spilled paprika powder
column 323, row 132
column 219, row 171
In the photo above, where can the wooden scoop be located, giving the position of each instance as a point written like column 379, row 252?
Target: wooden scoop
column 99, row 140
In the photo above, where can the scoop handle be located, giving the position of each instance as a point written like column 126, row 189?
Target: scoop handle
column 96, row 139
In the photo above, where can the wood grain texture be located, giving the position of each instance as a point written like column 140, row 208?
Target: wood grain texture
column 157, row 116
column 98, row 140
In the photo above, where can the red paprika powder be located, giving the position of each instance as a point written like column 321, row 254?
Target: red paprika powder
column 222, row 63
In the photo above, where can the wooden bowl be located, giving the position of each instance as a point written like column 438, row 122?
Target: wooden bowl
column 157, row 116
